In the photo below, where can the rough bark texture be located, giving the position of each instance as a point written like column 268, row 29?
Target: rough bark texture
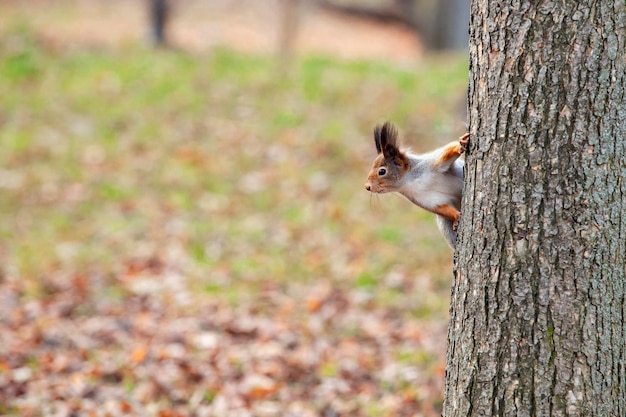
column 537, row 324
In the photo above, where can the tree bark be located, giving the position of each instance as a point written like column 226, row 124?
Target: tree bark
column 537, row 315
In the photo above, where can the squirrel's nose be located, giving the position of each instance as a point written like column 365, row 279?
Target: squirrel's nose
column 368, row 187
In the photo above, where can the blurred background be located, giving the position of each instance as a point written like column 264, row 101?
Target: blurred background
column 184, row 229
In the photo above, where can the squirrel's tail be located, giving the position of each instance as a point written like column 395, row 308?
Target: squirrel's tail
column 445, row 227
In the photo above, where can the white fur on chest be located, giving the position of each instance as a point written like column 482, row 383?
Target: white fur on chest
column 430, row 189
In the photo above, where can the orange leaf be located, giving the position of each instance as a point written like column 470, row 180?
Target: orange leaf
column 125, row 407
column 139, row 354
column 313, row 304
column 259, row 386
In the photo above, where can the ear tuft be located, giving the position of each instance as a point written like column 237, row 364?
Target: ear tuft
column 377, row 131
column 389, row 141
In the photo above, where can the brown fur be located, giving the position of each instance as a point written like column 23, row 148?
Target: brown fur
column 396, row 169
column 453, row 149
column 390, row 157
column 448, row 212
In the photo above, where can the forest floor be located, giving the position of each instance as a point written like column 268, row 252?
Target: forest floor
column 185, row 232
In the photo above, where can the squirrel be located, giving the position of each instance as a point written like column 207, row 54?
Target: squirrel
column 432, row 181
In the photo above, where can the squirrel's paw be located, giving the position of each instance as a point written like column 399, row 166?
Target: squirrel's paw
column 463, row 141
column 455, row 225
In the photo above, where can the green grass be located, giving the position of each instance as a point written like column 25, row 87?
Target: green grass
column 214, row 164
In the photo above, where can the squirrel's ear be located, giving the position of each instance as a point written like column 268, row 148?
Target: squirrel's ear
column 377, row 130
column 389, row 141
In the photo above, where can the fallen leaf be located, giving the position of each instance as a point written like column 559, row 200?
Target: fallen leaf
column 139, row 354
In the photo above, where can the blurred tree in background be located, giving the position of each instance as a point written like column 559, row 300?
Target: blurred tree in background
column 159, row 12
column 443, row 25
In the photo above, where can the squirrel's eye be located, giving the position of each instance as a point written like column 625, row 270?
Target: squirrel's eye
column 382, row 171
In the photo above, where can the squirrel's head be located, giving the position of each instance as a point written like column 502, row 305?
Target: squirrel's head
column 391, row 164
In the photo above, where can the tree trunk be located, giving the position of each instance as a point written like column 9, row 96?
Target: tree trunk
column 537, row 316
column 288, row 30
column 159, row 13
column 450, row 28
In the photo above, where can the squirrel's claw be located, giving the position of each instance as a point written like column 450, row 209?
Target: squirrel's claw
column 464, row 141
